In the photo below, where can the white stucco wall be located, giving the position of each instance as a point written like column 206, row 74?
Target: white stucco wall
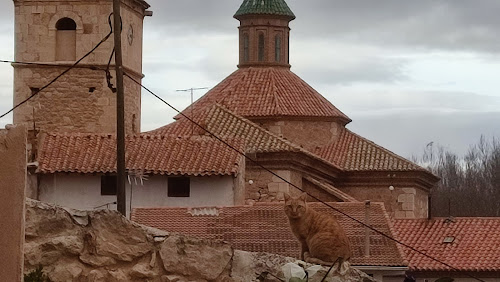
column 83, row 192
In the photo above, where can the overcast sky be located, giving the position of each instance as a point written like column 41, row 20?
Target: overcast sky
column 406, row 72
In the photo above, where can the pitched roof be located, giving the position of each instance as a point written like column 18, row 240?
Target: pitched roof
column 257, row 92
column 89, row 153
column 269, row 7
column 475, row 245
column 355, row 153
column 264, row 227
column 225, row 124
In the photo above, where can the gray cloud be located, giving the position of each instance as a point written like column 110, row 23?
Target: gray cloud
column 388, row 101
column 446, row 24
column 408, row 133
column 367, row 69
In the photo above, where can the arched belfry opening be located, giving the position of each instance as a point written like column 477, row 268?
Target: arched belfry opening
column 262, row 45
column 66, row 40
column 264, row 33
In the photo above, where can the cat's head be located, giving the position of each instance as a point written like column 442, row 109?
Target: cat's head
column 295, row 207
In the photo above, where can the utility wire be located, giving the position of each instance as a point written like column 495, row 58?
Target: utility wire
column 61, row 74
column 312, row 196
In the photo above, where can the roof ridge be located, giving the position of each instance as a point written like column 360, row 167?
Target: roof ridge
column 274, row 92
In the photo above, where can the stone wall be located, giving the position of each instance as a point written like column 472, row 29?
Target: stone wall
column 12, row 194
column 36, row 30
column 402, row 202
column 301, row 132
column 104, row 246
column 80, row 101
column 262, row 186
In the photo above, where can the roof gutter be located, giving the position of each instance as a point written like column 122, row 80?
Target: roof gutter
column 381, row 268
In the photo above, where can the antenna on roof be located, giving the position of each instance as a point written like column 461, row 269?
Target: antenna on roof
column 191, row 90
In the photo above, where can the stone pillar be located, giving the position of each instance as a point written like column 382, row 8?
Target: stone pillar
column 12, row 195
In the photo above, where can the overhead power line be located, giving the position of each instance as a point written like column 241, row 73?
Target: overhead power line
column 295, row 186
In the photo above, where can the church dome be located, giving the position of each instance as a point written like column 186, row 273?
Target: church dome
column 264, row 7
column 267, row 92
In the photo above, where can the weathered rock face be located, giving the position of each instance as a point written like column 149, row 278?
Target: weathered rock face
column 104, row 246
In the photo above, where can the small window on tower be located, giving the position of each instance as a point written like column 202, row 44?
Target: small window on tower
column 277, row 48
column 108, row 185
column 66, row 40
column 261, row 47
column 178, row 187
column 246, row 51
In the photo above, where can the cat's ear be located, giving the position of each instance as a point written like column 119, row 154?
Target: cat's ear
column 287, row 196
column 303, row 196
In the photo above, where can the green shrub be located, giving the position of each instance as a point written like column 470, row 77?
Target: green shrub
column 36, row 275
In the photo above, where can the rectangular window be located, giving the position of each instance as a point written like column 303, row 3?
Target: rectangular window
column 178, row 187
column 108, row 185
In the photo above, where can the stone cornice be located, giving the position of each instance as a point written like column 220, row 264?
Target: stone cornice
column 100, row 67
column 418, row 179
column 297, row 161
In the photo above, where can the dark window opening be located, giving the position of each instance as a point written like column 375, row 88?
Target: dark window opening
column 178, row 187
column 66, row 40
column 288, row 50
column 91, row 89
column 277, row 48
column 34, row 90
column 66, row 24
column 261, row 47
column 108, row 185
column 246, row 51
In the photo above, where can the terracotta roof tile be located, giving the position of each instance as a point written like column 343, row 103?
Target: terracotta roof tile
column 475, row 246
column 226, row 124
column 267, row 7
column 89, row 153
column 268, row 92
column 265, row 228
column 355, row 153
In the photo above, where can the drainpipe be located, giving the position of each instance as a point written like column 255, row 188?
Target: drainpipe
column 429, row 207
column 367, row 230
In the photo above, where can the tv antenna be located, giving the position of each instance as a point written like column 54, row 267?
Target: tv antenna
column 191, row 90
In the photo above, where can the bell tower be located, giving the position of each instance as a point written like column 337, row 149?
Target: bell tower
column 56, row 34
column 264, row 33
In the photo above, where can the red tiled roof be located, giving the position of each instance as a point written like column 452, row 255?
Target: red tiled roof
column 268, row 92
column 475, row 246
column 264, row 227
column 355, row 153
column 225, row 124
column 89, row 153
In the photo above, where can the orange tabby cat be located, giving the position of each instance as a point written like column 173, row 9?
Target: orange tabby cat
column 322, row 239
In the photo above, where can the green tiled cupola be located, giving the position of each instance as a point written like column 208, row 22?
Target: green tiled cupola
column 268, row 7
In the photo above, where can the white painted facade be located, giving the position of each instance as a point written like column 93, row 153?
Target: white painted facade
column 83, row 192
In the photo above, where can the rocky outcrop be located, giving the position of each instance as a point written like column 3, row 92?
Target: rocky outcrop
column 104, row 246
